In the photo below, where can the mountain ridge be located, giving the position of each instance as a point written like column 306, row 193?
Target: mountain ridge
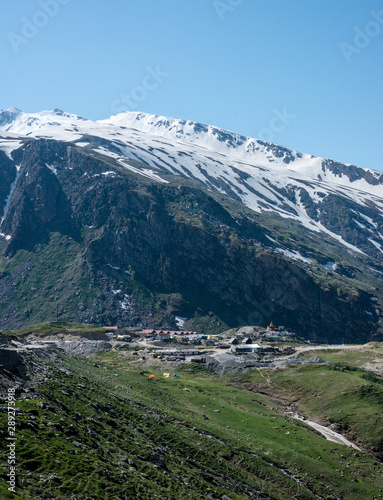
column 153, row 124
column 269, row 183
column 153, row 228
column 19, row 122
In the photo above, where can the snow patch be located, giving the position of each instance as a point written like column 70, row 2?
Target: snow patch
column 376, row 244
column 271, row 239
column 8, row 146
column 113, row 267
column 331, row 266
column 125, row 303
column 294, row 254
column 362, row 226
column 9, row 197
column 52, row 168
column 369, row 220
column 180, row 321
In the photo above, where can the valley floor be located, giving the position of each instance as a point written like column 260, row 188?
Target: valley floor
column 97, row 427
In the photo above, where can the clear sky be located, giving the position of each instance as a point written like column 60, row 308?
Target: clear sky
column 306, row 74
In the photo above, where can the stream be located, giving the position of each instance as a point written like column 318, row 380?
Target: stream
column 329, row 434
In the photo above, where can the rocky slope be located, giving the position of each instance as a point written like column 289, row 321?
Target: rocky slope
column 90, row 234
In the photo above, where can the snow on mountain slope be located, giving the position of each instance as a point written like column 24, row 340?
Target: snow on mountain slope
column 236, row 146
column 263, row 176
column 9, row 142
column 14, row 119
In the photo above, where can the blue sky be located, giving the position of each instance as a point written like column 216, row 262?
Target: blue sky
column 304, row 74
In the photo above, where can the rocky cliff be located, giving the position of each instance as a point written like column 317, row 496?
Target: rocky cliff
column 86, row 240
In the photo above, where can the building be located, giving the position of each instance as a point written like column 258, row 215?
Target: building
column 172, row 333
column 163, row 336
column 246, row 348
column 252, row 349
column 126, row 338
column 247, row 341
column 271, row 328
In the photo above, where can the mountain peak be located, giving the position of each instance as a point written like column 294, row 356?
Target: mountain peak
column 261, row 175
column 8, row 116
column 12, row 110
column 272, row 206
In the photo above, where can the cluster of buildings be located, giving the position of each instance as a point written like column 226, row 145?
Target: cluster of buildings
column 168, row 334
column 243, row 340
column 132, row 334
column 272, row 333
column 239, row 348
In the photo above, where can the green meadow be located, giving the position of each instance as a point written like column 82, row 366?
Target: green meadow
column 100, row 428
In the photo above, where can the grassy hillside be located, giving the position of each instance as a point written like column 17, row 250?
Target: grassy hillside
column 104, row 430
column 56, row 327
column 45, row 284
column 345, row 394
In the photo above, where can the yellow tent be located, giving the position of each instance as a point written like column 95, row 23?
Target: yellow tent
column 167, row 375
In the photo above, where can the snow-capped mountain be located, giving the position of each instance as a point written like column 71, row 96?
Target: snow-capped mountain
column 263, row 176
column 141, row 219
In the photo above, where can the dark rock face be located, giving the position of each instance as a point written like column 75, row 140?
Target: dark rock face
column 278, row 151
column 352, row 172
column 9, row 359
column 39, row 204
column 224, row 278
column 7, row 176
column 133, row 252
column 343, row 217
